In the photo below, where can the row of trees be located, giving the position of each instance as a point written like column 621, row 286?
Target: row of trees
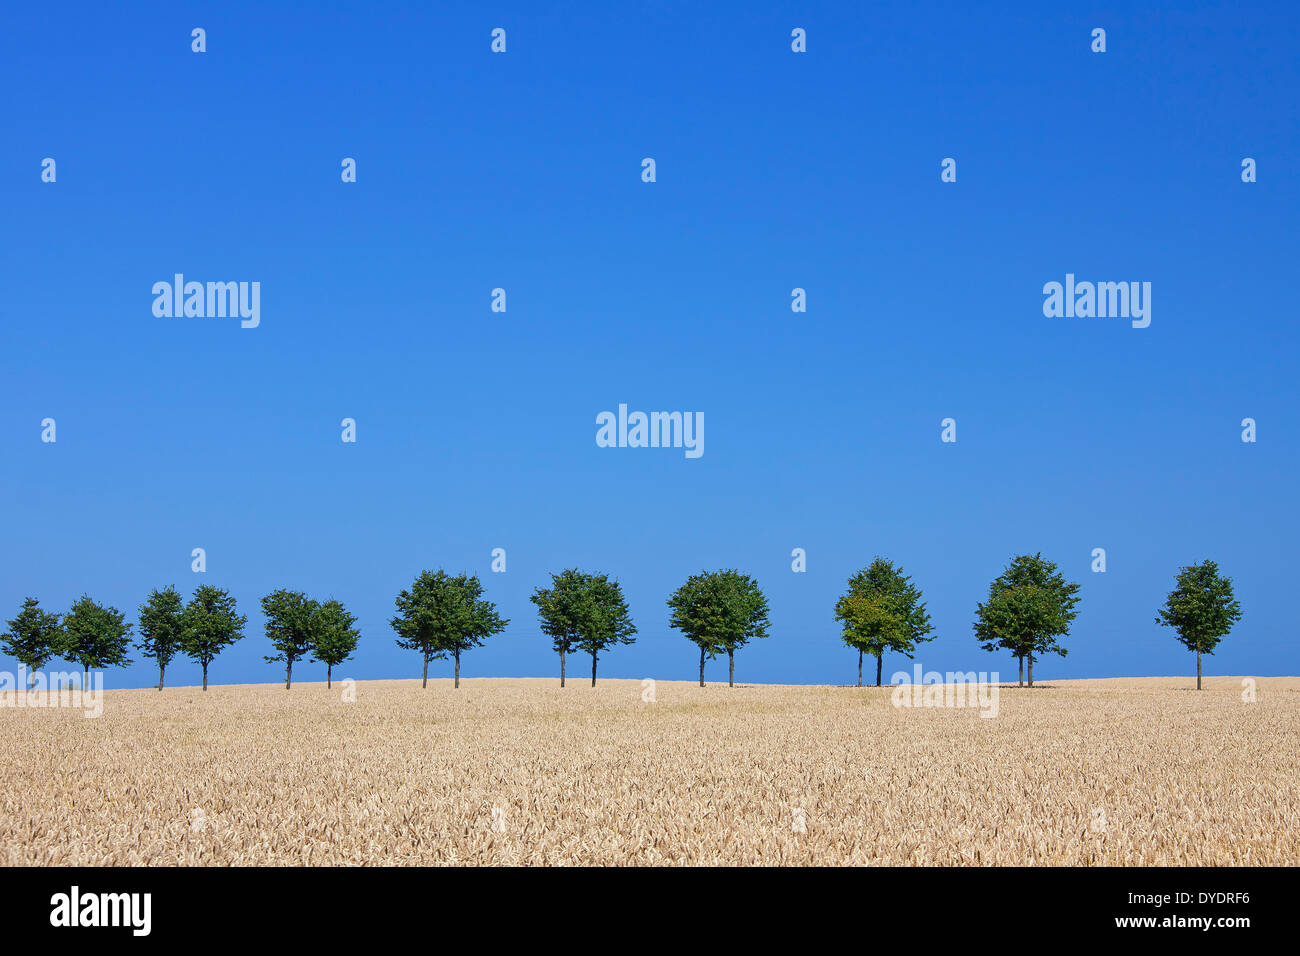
column 1029, row 609
column 98, row 636
column 442, row 615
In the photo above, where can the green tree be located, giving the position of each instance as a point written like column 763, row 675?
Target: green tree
column 1010, row 620
column 606, row 622
column 443, row 614
column 211, row 624
column 95, row 636
column 288, row 627
column 869, row 626
column 883, row 611
column 34, row 636
column 719, row 611
column 161, row 627
column 1029, row 605
column 1201, row 609
column 333, row 636
column 559, row 610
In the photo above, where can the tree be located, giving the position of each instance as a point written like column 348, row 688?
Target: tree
column 34, row 636
column 333, row 637
column 559, row 609
column 288, row 626
column 719, row 611
column 95, row 636
column 442, row 615
column 161, row 627
column 1201, row 609
column 211, row 624
column 869, row 626
column 605, row 621
column 883, row 611
column 1029, row 606
column 1011, row 618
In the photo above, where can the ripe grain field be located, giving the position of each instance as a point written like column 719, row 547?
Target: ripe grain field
column 1130, row 772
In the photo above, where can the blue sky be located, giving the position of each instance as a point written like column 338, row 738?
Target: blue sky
column 775, row 170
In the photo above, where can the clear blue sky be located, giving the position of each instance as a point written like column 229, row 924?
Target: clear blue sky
column 775, row 170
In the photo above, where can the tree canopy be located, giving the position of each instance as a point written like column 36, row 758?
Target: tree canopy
column 1201, row 609
column 443, row 614
column 1029, row 605
column 604, row 621
column 161, row 627
column 333, row 636
column 560, row 610
column 34, row 635
column 212, row 623
column 95, row 635
column 719, row 611
column 289, row 627
column 882, row 611
column 583, row 612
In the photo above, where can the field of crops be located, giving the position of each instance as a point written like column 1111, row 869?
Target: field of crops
column 1131, row 771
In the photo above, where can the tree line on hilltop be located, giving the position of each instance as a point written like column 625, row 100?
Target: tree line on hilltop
column 1028, row 611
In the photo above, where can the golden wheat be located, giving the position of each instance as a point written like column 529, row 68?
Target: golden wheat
column 1142, row 771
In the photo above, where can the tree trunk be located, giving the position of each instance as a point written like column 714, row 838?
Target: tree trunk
column 1198, row 668
column 561, row 667
column 288, row 673
column 859, row 667
column 880, row 662
column 458, row 669
column 329, row 672
column 731, row 668
column 205, row 676
column 161, row 668
column 701, row 666
column 1021, row 659
column 593, row 668
column 426, row 670
column 1031, row 668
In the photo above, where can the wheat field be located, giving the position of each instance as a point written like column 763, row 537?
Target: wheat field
column 1128, row 772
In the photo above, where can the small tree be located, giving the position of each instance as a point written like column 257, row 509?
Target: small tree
column 883, row 611
column 211, row 624
column 288, row 627
column 719, row 611
column 1029, row 606
column 442, row 615
column 1010, row 620
column 34, row 636
column 606, row 622
column 869, row 626
column 95, row 636
column 333, row 636
column 161, row 627
column 559, row 609
column 1201, row 609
